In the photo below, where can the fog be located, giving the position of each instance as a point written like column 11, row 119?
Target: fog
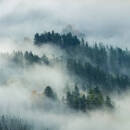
column 105, row 21
column 16, row 99
column 59, row 119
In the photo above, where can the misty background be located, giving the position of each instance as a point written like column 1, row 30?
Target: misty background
column 104, row 21
column 101, row 20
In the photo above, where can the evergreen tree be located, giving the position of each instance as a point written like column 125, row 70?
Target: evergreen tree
column 49, row 93
column 83, row 103
column 108, row 102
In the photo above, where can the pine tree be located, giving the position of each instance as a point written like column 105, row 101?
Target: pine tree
column 49, row 93
column 108, row 102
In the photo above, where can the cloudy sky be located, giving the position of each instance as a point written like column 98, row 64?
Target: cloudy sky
column 101, row 20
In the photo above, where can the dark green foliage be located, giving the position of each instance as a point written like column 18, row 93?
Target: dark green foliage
column 49, row 93
column 27, row 58
column 108, row 102
column 45, row 59
column 65, row 40
column 31, row 58
column 94, row 65
column 106, row 58
column 95, row 76
column 73, row 98
column 82, row 103
column 9, row 123
column 93, row 100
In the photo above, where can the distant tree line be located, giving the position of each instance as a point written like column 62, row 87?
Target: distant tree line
column 63, row 40
column 106, row 57
column 13, row 123
column 81, row 100
column 87, row 73
column 27, row 58
column 97, row 64
column 94, row 76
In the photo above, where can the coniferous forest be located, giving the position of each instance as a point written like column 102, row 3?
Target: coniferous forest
column 97, row 65
column 64, row 65
column 95, row 73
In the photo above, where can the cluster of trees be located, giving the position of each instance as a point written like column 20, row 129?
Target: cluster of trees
column 50, row 93
column 93, row 76
column 63, row 40
column 94, row 99
column 106, row 57
column 8, row 122
column 100, row 65
column 89, row 73
column 12, row 123
column 27, row 58
column 82, row 101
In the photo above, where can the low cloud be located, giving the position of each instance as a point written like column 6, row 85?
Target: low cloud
column 103, row 20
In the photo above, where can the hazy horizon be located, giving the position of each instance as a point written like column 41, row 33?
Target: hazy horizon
column 101, row 20
column 96, row 73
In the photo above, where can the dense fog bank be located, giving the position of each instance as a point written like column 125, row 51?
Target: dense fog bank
column 103, row 20
column 64, row 65
column 18, row 101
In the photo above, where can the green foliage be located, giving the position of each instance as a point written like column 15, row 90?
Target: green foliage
column 93, row 100
column 63, row 40
column 73, row 99
column 49, row 93
column 12, row 123
column 94, row 65
column 82, row 103
column 95, row 76
column 27, row 58
column 108, row 102
column 45, row 59
column 106, row 58
column 30, row 58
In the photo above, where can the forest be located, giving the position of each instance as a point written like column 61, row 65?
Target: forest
column 64, row 65
column 95, row 65
column 95, row 72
